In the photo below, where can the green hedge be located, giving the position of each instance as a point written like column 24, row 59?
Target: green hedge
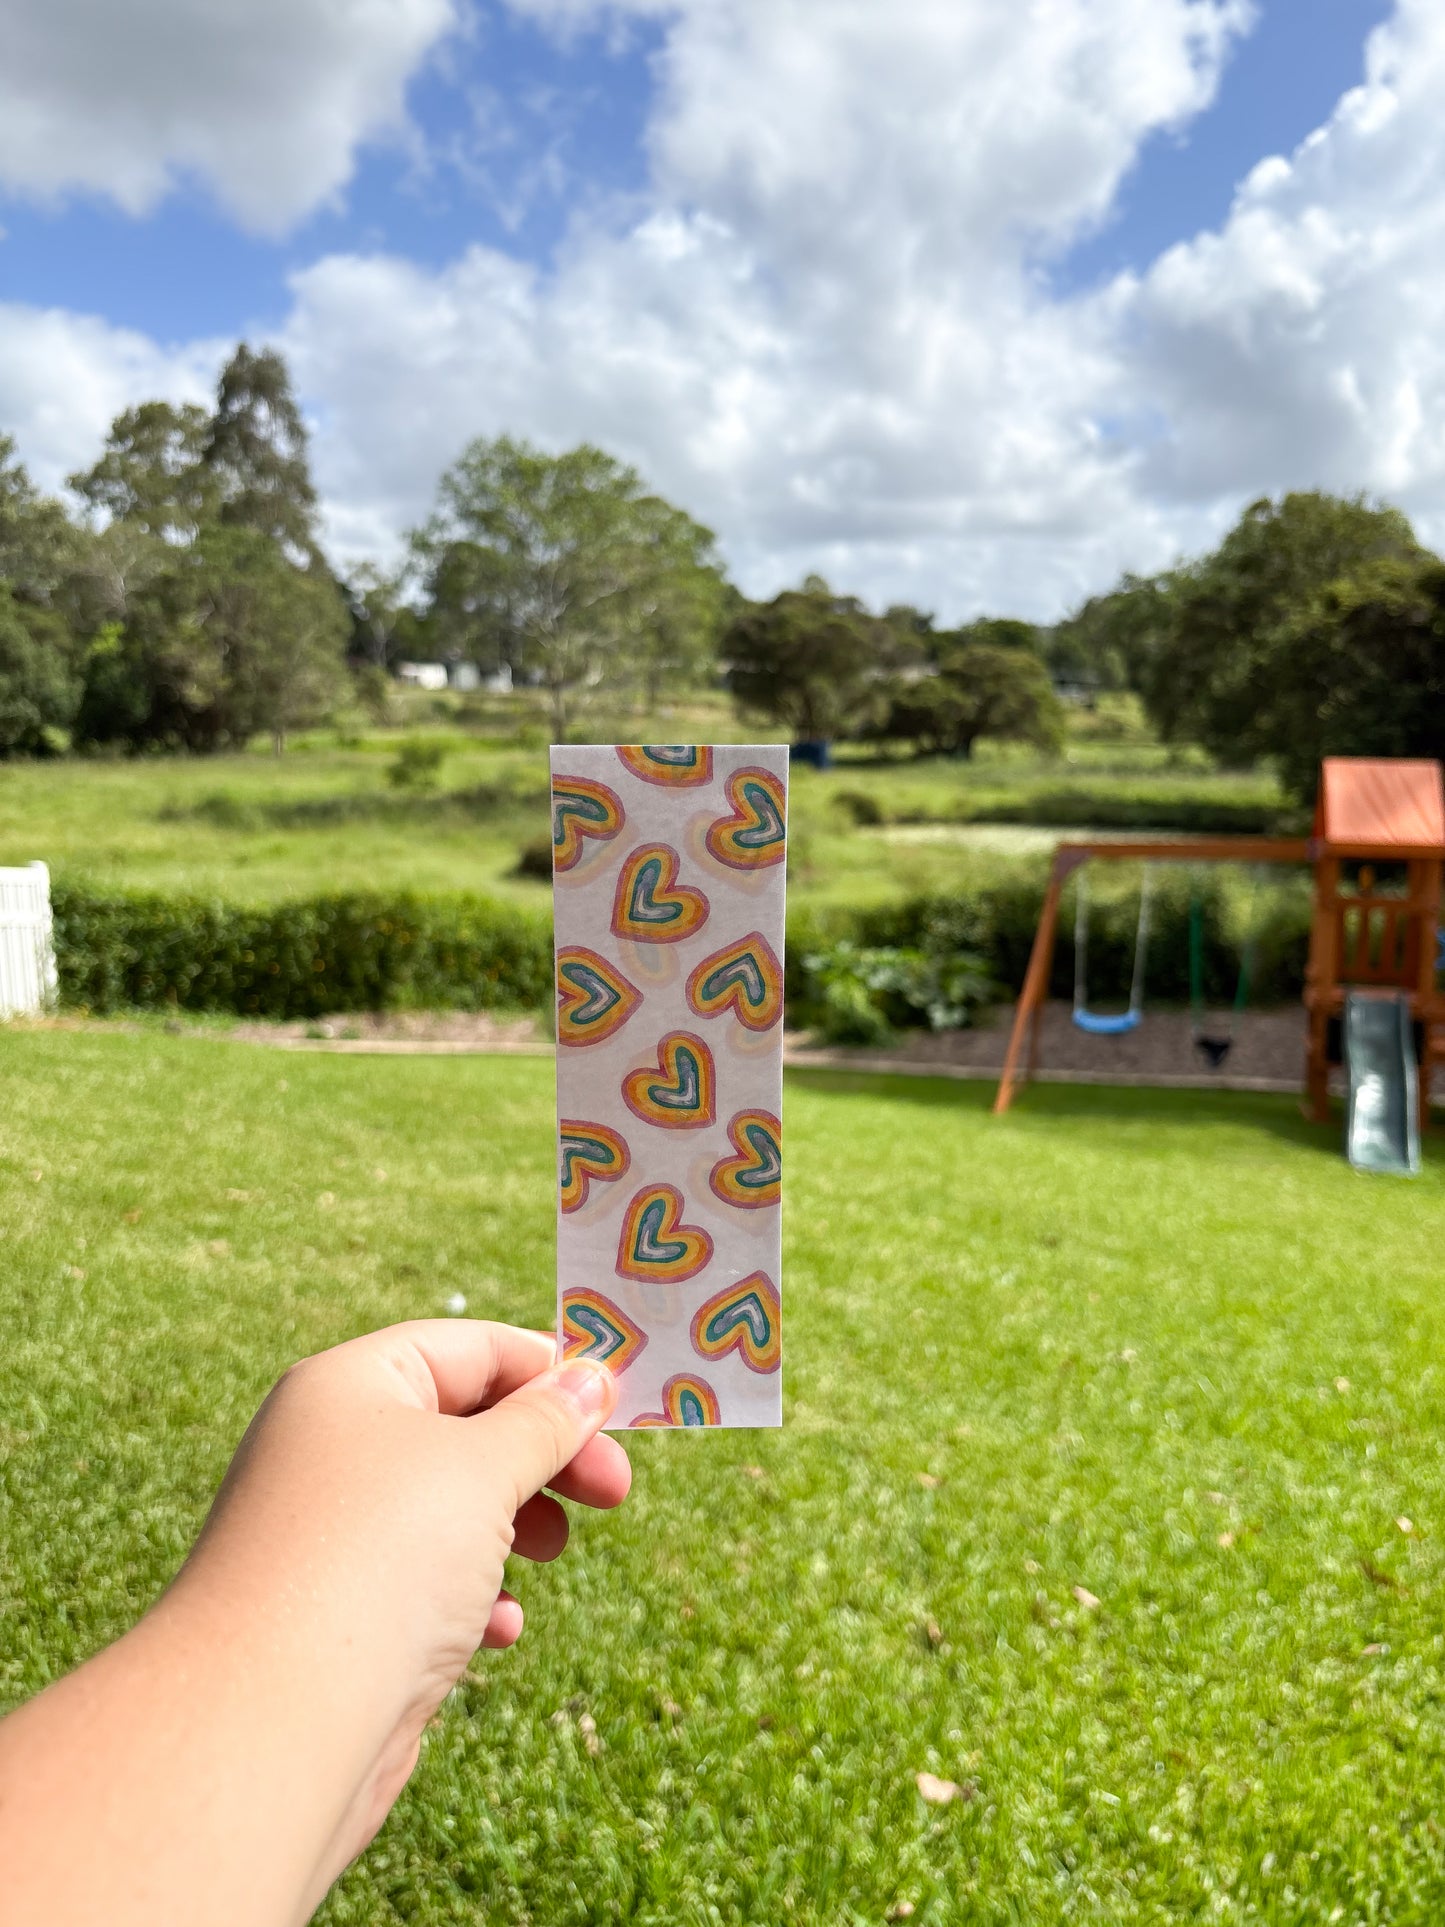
column 312, row 956
column 298, row 959
column 997, row 924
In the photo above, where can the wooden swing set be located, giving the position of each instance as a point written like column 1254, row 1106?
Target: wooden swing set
column 1364, row 938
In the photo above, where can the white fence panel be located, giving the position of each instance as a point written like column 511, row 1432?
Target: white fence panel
column 27, row 942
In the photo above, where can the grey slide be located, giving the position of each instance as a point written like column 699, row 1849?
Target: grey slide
column 1382, row 1126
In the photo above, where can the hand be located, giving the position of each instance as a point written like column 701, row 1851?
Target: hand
column 351, row 1566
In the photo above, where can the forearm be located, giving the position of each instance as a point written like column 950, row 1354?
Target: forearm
column 199, row 1768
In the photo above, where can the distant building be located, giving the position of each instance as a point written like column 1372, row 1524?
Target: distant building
column 464, row 677
column 499, row 682
column 1082, row 691
column 423, row 675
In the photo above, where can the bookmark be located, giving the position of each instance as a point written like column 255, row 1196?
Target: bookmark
column 668, row 865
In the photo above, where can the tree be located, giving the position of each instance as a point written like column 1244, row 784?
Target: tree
column 1110, row 638
column 228, row 640
column 1227, row 616
column 554, row 564
column 151, row 474
column 255, row 453
column 1359, row 670
column 978, row 690
column 808, row 659
column 38, row 543
column 39, row 688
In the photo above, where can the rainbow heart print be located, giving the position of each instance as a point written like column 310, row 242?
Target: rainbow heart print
column 668, row 864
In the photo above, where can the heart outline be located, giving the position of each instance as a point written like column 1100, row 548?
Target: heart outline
column 574, row 962
column 655, row 1214
column 671, row 1073
column 593, row 1327
column 650, row 905
column 588, row 1154
column 755, row 836
column 683, row 1394
column 732, row 1319
column 735, row 992
column 582, row 808
column 728, row 1178
column 650, row 762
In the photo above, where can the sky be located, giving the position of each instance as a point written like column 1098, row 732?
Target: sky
column 973, row 304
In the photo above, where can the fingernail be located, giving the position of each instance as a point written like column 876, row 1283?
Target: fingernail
column 590, row 1386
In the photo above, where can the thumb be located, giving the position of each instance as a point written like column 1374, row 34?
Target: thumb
column 531, row 1434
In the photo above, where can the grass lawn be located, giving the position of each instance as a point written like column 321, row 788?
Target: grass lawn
column 1165, row 1348
column 253, row 827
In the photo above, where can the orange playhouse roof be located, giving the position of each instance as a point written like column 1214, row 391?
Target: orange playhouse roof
column 1385, row 804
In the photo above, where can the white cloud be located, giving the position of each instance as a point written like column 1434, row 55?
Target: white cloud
column 265, row 101
column 827, row 332
column 1301, row 345
column 64, row 377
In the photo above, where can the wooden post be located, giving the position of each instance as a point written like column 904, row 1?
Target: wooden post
column 1024, row 1036
column 1320, row 975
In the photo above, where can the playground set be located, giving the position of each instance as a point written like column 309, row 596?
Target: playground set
column 1371, row 1001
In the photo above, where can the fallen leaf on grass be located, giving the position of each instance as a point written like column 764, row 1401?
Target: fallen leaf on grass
column 1342, row 1385
column 755, row 1471
column 1378, row 1577
column 1373, row 1648
column 1407, row 1526
column 933, row 1633
column 928, row 1481
column 130, row 1217
column 1226, row 1539
column 901, row 1910
column 1085, row 1598
column 938, row 1793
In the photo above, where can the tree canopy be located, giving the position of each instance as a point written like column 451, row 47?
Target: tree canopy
column 568, row 569
column 808, row 659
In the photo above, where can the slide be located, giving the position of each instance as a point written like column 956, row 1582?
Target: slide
column 1382, row 1126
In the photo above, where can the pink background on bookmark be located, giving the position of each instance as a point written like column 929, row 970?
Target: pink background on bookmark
column 668, row 879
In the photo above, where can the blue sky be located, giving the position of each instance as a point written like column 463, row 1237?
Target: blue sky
column 517, row 129
column 783, row 255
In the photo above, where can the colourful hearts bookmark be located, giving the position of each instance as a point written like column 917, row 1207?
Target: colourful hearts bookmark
column 668, row 865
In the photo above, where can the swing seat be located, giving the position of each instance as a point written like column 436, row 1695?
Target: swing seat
column 1097, row 1024
column 1213, row 1049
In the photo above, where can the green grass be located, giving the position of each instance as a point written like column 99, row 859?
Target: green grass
column 255, row 828
column 1165, row 1347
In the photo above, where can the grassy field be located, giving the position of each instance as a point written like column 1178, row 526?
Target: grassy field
column 255, row 827
column 1157, row 1351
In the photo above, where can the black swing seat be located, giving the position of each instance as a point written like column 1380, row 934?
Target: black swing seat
column 1214, row 1049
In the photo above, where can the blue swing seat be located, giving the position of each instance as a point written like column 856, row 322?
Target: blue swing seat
column 1118, row 1024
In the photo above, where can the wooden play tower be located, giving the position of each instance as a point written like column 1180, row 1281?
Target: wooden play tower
column 1377, row 851
column 1371, row 932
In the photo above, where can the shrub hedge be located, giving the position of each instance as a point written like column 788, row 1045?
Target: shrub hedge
column 302, row 958
column 312, row 956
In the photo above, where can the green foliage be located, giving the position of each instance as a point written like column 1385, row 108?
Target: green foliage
column 808, row 659
column 1165, row 1347
column 38, row 545
column 151, row 474
column 1359, row 671
column 859, row 996
column 39, row 689
column 227, row 639
column 303, row 958
column 255, row 454
column 564, row 565
column 417, row 765
column 991, row 930
column 977, row 689
column 1220, row 669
